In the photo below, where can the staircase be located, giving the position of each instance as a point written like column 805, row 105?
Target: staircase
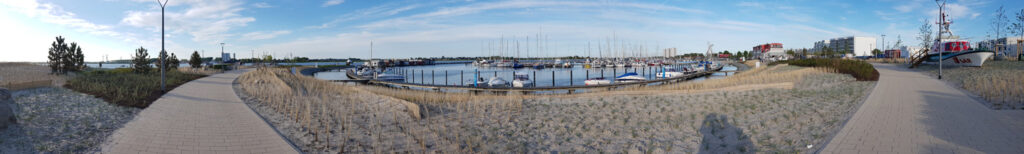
column 918, row 58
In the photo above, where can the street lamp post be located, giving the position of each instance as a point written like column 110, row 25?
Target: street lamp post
column 163, row 52
column 942, row 28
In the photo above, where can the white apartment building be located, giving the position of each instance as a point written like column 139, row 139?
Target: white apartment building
column 669, row 52
column 1008, row 45
column 855, row 45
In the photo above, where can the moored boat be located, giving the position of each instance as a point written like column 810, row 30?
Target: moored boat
column 597, row 81
column 629, row 77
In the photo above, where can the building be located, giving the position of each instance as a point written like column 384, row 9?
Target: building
column 892, row 53
column 1008, row 46
column 768, row 50
column 908, row 51
column 670, row 52
column 850, row 45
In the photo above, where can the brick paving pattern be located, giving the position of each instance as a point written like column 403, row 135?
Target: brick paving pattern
column 909, row 112
column 202, row 116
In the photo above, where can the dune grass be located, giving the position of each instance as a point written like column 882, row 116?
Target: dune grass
column 998, row 82
column 13, row 73
column 326, row 117
column 120, row 86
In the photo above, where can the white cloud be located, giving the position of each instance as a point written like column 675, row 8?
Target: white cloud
column 52, row 13
column 332, row 3
column 374, row 12
column 264, row 35
column 750, row 4
column 262, row 5
column 205, row 21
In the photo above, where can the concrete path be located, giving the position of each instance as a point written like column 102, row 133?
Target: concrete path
column 909, row 112
column 202, row 116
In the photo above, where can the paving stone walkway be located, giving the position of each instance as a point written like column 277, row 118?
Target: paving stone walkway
column 909, row 112
column 202, row 116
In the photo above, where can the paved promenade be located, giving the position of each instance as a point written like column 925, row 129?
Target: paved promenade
column 909, row 112
column 202, row 116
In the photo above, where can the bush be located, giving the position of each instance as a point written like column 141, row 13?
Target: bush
column 860, row 70
column 222, row 67
column 123, row 87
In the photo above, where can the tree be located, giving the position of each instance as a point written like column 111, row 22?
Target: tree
column 999, row 21
column 925, row 34
column 790, row 52
column 162, row 61
column 876, row 52
column 77, row 58
column 195, row 61
column 1018, row 29
column 56, row 53
column 174, row 62
column 140, row 62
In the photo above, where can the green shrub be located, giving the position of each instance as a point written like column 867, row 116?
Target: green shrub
column 122, row 87
column 860, row 70
column 221, row 67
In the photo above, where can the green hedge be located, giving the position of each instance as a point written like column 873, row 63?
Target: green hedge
column 860, row 70
column 124, row 88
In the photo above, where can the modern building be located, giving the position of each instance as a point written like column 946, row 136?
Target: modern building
column 850, row 45
column 1008, row 46
column 768, row 50
column 669, row 52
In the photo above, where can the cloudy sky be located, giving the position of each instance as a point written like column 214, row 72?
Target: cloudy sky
column 399, row 29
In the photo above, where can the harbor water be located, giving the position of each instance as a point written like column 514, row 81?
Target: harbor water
column 463, row 74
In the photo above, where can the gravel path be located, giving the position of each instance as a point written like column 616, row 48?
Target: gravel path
column 58, row 120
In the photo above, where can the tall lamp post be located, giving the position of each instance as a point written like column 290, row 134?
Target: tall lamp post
column 943, row 27
column 163, row 52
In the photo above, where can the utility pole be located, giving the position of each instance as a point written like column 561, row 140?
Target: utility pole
column 163, row 52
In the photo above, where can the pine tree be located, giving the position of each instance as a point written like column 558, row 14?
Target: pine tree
column 195, row 61
column 140, row 62
column 79, row 59
column 55, row 54
column 68, row 58
column 173, row 62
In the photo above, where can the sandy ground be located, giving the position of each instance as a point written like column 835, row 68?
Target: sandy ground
column 792, row 115
column 58, row 120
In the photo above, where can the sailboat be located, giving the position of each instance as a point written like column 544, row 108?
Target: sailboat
column 629, row 77
column 522, row 80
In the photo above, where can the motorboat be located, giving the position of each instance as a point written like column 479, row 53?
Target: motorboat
column 629, row 77
column 669, row 72
column 479, row 82
column 950, row 50
column 389, row 77
column 521, row 80
column 597, row 81
column 497, row 82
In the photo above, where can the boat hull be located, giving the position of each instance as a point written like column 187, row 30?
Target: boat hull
column 974, row 58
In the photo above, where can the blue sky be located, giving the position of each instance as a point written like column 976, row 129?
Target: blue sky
column 399, row 29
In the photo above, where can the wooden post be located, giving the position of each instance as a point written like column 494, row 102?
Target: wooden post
column 462, row 77
column 445, row 77
column 421, row 77
column 432, row 76
column 587, row 76
column 602, row 73
column 552, row 78
column 535, row 82
column 570, row 77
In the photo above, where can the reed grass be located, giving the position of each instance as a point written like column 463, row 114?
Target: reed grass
column 121, row 87
column 998, row 82
column 13, row 73
column 352, row 118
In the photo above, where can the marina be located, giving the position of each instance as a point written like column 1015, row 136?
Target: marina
column 464, row 77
